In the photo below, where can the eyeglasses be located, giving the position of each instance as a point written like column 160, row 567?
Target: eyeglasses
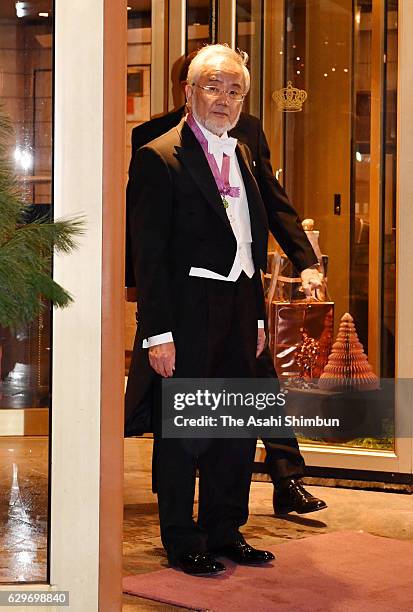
column 216, row 92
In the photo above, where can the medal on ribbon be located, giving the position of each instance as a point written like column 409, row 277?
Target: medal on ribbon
column 221, row 176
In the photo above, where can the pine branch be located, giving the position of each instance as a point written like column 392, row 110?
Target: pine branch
column 58, row 236
column 26, row 248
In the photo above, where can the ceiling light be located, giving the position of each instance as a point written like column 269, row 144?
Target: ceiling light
column 20, row 12
column 43, row 14
column 129, row 8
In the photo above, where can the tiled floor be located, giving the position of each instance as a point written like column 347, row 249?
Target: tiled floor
column 23, row 506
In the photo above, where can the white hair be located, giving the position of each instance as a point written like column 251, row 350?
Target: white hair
column 208, row 54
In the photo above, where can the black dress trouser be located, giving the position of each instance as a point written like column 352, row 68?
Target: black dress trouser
column 283, row 458
column 215, row 336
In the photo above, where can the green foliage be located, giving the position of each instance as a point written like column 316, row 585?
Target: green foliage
column 26, row 249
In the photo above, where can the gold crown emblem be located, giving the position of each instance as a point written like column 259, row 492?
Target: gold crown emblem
column 290, row 99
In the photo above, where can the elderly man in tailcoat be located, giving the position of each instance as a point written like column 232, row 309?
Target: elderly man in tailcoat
column 283, row 461
column 199, row 233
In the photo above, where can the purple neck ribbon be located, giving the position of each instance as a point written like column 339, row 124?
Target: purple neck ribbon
column 221, row 176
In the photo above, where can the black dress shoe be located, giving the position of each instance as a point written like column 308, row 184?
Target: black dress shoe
column 244, row 554
column 198, row 564
column 292, row 497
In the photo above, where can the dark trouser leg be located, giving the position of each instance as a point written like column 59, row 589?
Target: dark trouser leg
column 215, row 336
column 175, row 460
column 283, row 458
column 225, row 468
column 176, row 467
column 285, row 465
column 224, row 484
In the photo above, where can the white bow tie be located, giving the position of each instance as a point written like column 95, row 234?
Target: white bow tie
column 219, row 146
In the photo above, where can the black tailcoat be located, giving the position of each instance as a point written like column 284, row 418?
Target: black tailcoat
column 283, row 219
column 283, row 222
column 177, row 221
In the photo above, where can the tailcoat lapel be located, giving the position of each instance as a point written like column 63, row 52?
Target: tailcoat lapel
column 192, row 156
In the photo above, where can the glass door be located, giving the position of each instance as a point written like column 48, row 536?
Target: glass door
column 329, row 107
column 248, row 37
column 26, row 101
column 139, row 78
column 200, row 24
column 334, row 149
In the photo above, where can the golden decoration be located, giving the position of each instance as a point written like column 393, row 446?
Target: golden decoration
column 290, row 99
column 307, row 356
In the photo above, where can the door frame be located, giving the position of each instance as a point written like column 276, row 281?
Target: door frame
column 86, row 506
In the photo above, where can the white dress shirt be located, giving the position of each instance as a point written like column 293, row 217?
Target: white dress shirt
column 239, row 218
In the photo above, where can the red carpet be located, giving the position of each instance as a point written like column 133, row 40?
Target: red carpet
column 339, row 572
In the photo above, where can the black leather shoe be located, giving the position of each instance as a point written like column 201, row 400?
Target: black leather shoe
column 292, row 497
column 244, row 554
column 198, row 564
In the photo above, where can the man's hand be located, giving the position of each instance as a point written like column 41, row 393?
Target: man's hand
column 311, row 279
column 162, row 358
column 260, row 341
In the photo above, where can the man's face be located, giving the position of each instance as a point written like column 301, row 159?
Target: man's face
column 218, row 115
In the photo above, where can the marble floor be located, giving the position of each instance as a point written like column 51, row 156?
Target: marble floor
column 23, row 506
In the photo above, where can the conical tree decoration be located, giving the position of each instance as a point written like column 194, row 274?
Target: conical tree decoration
column 347, row 367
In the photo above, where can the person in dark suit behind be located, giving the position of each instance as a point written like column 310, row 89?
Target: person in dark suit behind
column 283, row 462
column 199, row 236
